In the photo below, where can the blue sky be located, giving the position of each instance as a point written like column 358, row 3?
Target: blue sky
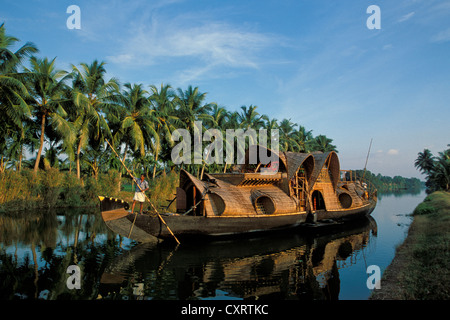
column 314, row 61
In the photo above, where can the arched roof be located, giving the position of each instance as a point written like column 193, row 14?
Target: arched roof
column 320, row 159
column 295, row 160
column 257, row 149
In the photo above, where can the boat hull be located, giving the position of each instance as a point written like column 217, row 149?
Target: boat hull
column 148, row 228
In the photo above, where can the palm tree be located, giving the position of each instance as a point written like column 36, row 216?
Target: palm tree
column 162, row 102
column 287, row 135
column 133, row 121
column 425, row 161
column 46, row 89
column 440, row 174
column 303, row 139
column 191, row 107
column 13, row 92
column 250, row 118
column 93, row 97
column 219, row 117
column 322, row 143
column 135, row 118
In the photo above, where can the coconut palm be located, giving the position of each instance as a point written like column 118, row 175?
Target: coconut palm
column 287, row 135
column 440, row 174
column 13, row 92
column 162, row 102
column 190, row 108
column 425, row 161
column 93, row 97
column 322, row 143
column 219, row 117
column 437, row 169
column 46, row 85
column 249, row 118
column 135, row 118
column 303, row 139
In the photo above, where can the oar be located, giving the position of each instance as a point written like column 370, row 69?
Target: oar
column 132, row 176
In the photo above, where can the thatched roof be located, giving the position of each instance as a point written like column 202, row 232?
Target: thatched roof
column 330, row 158
column 295, row 160
column 186, row 178
column 256, row 149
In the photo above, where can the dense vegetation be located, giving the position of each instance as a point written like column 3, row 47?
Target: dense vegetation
column 62, row 118
column 436, row 169
column 54, row 125
column 388, row 184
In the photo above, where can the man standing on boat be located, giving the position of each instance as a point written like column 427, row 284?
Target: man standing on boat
column 139, row 192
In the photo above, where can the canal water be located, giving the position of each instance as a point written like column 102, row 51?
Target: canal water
column 37, row 248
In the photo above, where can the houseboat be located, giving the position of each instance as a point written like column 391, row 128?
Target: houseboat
column 294, row 190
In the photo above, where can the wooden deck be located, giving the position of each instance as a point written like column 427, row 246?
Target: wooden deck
column 114, row 214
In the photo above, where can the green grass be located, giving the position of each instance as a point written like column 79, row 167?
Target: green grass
column 51, row 188
column 421, row 266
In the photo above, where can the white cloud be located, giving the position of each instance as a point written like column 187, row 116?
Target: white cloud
column 393, row 152
column 406, row 17
column 207, row 45
column 442, row 36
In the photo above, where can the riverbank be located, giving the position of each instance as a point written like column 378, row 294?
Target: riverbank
column 51, row 188
column 419, row 270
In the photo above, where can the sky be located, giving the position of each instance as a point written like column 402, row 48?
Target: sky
column 315, row 62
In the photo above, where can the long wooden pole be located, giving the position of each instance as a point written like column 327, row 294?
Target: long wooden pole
column 132, row 176
column 367, row 158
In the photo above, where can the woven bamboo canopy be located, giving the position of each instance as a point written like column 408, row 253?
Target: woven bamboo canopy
column 295, row 160
column 331, row 161
column 249, row 191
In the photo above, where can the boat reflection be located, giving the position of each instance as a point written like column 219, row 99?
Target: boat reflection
column 278, row 266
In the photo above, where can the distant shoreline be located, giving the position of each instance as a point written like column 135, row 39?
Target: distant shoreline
column 419, row 270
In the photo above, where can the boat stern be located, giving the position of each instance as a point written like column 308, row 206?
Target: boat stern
column 110, row 203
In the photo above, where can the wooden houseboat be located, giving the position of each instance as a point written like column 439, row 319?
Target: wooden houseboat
column 296, row 189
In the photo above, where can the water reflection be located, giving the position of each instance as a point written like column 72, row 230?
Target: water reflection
column 277, row 267
column 36, row 249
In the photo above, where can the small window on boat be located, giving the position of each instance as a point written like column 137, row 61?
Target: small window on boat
column 218, row 204
column 264, row 205
column 346, row 200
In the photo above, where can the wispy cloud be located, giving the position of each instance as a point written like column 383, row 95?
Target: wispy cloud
column 207, row 45
column 442, row 36
column 393, row 152
column 406, row 17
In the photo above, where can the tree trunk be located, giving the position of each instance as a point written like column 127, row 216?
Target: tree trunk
column 120, row 170
column 156, row 161
column 78, row 160
column 38, row 157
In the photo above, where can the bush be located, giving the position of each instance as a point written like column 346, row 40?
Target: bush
column 52, row 188
column 424, row 208
column 109, row 183
column 71, row 191
column 51, row 185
